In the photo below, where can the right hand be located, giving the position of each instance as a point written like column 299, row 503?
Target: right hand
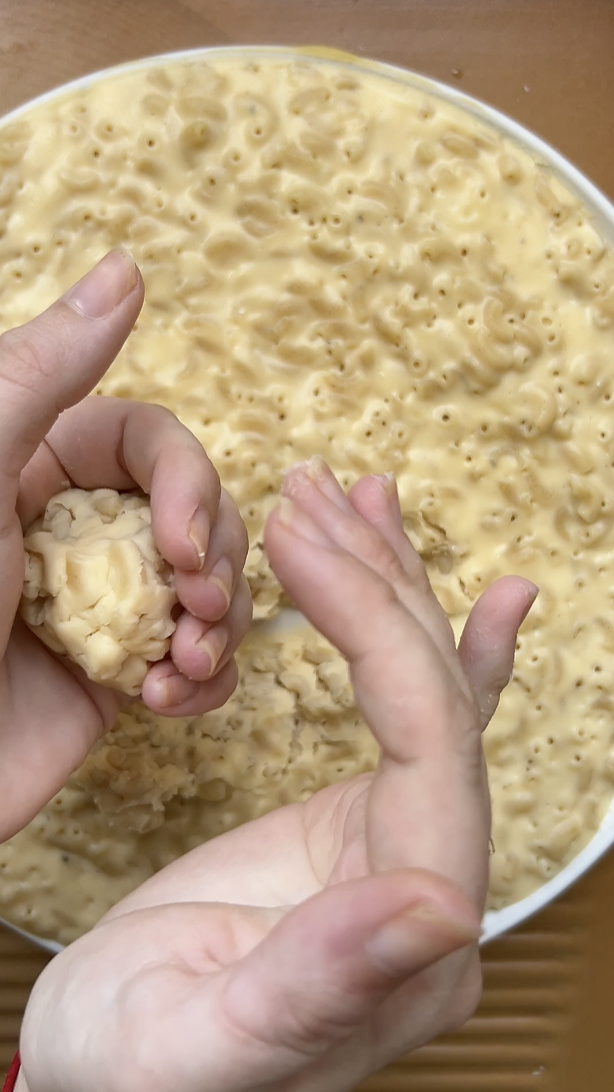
column 303, row 951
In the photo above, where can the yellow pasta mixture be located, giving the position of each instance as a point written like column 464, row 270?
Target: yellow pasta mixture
column 337, row 264
column 96, row 588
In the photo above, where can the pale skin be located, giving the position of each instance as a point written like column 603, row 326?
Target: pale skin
column 302, row 951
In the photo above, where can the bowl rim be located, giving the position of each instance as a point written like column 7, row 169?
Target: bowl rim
column 601, row 211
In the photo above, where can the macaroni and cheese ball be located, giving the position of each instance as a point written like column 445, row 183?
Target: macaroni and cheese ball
column 96, row 589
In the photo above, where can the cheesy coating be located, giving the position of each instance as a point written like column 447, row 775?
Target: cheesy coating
column 96, row 589
column 156, row 787
column 338, row 264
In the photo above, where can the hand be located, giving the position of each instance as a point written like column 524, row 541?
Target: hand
column 307, row 949
column 50, row 713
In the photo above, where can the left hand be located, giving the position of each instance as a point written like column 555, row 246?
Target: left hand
column 50, row 712
column 303, row 951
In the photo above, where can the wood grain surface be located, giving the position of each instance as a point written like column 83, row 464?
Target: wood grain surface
column 545, row 1021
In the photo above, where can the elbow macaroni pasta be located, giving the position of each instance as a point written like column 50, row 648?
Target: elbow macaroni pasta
column 336, row 264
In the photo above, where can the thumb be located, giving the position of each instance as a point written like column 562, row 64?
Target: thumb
column 46, row 366
column 488, row 643
column 333, row 959
column 54, row 361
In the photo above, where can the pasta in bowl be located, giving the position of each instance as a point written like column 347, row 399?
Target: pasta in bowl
column 347, row 260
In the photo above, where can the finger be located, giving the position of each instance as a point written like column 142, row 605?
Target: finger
column 428, row 806
column 208, row 594
column 313, row 488
column 54, row 361
column 307, row 562
column 309, row 487
column 315, row 470
column 309, row 510
column 392, row 660
column 168, row 692
column 376, row 499
column 46, row 366
column 119, row 444
column 328, row 965
column 488, row 642
column 200, row 650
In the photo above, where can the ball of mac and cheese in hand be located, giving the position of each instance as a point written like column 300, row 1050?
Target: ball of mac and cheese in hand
column 96, row 588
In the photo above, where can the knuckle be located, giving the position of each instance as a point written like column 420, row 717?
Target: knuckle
column 247, row 606
column 414, row 560
column 305, row 1023
column 381, row 598
column 499, row 678
column 240, row 538
column 376, row 552
column 158, row 417
column 418, row 574
column 277, row 1027
column 244, row 549
column 22, row 361
column 239, row 616
column 244, row 540
column 226, row 682
column 308, row 1027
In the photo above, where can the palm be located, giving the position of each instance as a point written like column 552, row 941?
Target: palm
column 50, row 717
column 210, row 910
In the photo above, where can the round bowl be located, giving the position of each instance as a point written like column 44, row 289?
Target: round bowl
column 601, row 211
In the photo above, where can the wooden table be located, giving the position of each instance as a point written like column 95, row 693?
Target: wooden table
column 545, row 1022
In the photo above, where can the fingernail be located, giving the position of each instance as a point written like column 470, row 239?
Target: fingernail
column 213, row 643
column 198, row 534
column 105, row 286
column 321, row 475
column 221, row 577
column 173, row 690
column 300, row 523
column 315, row 467
column 533, row 592
column 418, row 937
column 387, row 481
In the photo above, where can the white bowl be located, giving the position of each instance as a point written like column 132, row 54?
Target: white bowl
column 601, row 210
